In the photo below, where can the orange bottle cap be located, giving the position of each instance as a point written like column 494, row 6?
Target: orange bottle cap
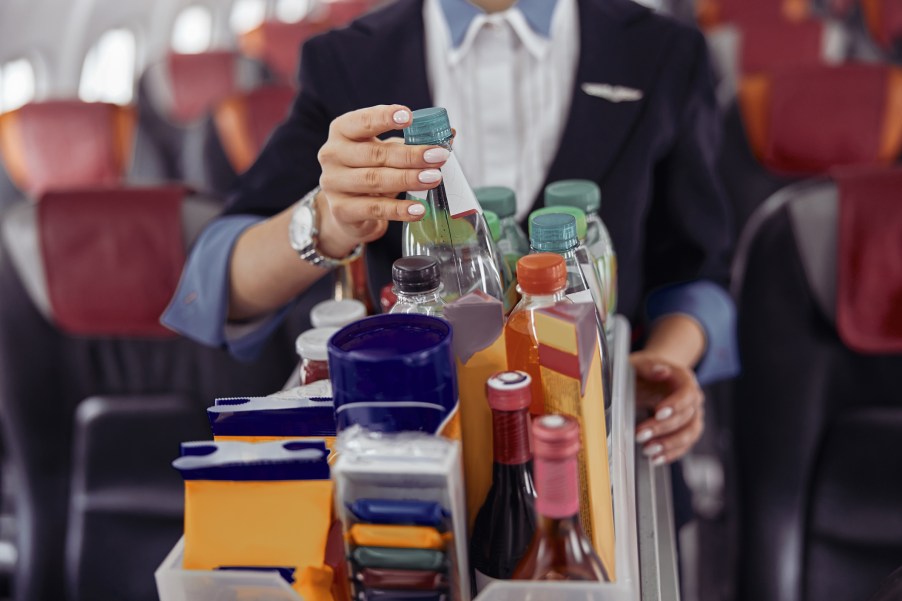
column 542, row 273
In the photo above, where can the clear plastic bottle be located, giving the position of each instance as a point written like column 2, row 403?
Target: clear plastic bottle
column 417, row 285
column 585, row 195
column 543, row 283
column 512, row 241
column 336, row 313
column 552, row 232
column 508, row 280
column 453, row 229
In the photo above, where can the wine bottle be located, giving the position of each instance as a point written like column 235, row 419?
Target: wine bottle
column 560, row 549
column 506, row 522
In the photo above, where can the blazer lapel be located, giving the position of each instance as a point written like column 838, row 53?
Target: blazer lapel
column 612, row 54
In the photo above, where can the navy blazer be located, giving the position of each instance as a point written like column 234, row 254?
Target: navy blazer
column 653, row 158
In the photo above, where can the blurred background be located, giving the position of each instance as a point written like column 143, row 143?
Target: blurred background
column 123, row 125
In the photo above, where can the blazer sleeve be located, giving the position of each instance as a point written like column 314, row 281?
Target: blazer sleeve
column 689, row 233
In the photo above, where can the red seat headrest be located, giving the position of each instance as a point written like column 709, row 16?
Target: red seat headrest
column 710, row 13
column 884, row 20
column 771, row 43
column 869, row 281
column 112, row 258
column 66, row 144
column 278, row 45
column 198, row 81
column 806, row 120
column 245, row 121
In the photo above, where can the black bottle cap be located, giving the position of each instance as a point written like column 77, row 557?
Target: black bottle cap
column 416, row 274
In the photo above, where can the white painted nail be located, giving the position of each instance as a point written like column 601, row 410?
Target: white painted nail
column 416, row 210
column 430, row 176
column 644, row 436
column 664, row 413
column 436, row 155
column 652, row 450
column 659, row 460
column 400, row 117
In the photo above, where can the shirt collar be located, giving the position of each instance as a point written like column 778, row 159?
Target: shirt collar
column 460, row 14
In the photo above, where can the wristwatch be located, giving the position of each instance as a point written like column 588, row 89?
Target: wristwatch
column 303, row 232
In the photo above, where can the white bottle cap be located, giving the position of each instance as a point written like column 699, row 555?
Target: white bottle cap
column 337, row 313
column 313, row 344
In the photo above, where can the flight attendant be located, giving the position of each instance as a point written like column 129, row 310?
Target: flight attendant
column 538, row 91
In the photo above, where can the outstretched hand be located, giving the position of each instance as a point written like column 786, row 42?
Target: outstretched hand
column 671, row 407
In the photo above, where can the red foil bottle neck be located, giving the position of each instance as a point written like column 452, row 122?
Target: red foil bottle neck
column 510, row 431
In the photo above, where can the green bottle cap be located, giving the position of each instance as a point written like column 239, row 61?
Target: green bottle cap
column 581, row 222
column 429, row 126
column 583, row 194
column 494, row 223
column 498, row 199
column 552, row 232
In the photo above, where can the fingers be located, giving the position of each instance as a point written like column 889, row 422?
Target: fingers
column 359, row 209
column 378, row 153
column 671, row 447
column 364, row 124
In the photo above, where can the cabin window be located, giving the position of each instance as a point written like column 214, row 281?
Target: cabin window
column 193, row 31
column 16, row 84
column 108, row 74
column 292, row 11
column 247, row 14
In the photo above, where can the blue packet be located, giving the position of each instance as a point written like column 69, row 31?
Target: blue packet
column 399, row 512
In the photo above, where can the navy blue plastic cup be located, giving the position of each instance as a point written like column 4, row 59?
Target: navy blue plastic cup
column 393, row 373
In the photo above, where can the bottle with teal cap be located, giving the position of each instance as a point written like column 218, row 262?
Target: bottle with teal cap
column 556, row 231
column 453, row 229
column 585, row 195
column 508, row 280
column 512, row 241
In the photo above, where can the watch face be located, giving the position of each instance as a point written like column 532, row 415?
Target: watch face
column 302, row 228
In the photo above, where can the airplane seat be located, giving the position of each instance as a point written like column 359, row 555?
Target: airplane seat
column 790, row 124
column 175, row 97
column 817, row 413
column 238, row 130
column 38, row 145
column 277, row 45
column 764, row 44
column 84, row 276
column 711, row 13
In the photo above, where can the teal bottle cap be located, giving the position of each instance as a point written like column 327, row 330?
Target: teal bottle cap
column 553, row 232
column 429, row 126
column 582, row 223
column 494, row 223
column 498, row 199
column 583, row 194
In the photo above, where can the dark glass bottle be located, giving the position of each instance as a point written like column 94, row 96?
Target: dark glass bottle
column 560, row 549
column 506, row 522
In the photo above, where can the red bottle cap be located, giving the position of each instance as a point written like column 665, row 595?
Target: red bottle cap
column 387, row 298
column 509, row 391
column 542, row 273
column 555, row 437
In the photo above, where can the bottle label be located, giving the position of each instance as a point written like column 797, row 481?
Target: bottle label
column 483, row 581
column 461, row 199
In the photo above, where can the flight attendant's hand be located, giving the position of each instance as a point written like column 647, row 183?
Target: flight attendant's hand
column 671, row 407
column 362, row 175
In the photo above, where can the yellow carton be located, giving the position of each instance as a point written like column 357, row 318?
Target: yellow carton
column 570, row 363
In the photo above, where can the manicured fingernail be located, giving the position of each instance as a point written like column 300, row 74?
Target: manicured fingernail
column 416, row 210
column 652, row 450
column 664, row 414
column 401, row 116
column 659, row 460
column 658, row 370
column 436, row 155
column 644, row 436
column 430, row 176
